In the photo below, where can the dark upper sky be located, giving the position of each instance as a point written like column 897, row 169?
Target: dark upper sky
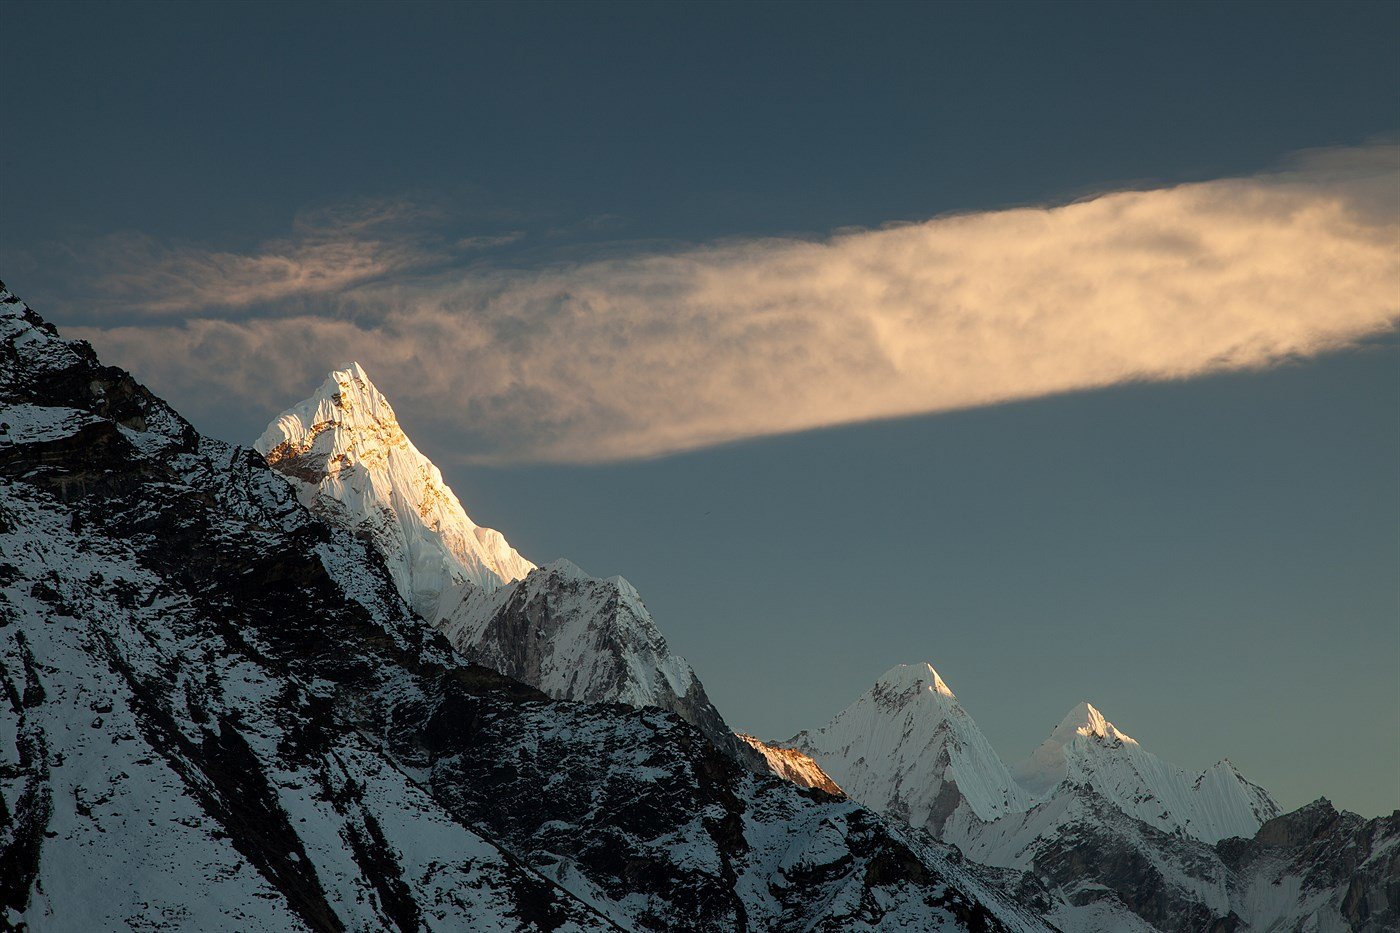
column 1212, row 562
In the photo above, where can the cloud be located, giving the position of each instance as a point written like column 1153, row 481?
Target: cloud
column 330, row 250
column 663, row 352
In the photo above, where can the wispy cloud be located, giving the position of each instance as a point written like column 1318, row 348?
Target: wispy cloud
column 328, row 251
column 664, row 352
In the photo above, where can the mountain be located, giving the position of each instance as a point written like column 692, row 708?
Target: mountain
column 349, row 459
column 792, row 765
column 218, row 712
column 556, row 628
column 1087, row 749
column 1106, row 836
column 908, row 748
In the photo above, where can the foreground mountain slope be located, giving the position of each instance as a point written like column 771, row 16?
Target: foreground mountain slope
column 218, row 713
column 908, row 748
column 571, row 635
column 169, row 761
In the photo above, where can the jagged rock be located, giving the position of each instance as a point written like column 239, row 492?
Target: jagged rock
column 792, row 765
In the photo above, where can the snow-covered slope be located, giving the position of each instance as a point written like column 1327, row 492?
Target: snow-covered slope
column 1087, row 749
column 556, row 628
column 347, row 456
column 792, row 765
column 218, row 713
column 908, row 748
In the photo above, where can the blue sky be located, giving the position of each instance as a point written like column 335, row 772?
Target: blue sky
column 627, row 274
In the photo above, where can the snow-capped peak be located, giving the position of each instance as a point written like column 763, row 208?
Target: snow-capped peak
column 1086, row 720
column 1086, row 750
column 344, row 450
column 909, row 748
column 557, row 628
column 906, row 680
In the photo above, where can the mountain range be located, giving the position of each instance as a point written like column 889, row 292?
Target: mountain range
column 294, row 686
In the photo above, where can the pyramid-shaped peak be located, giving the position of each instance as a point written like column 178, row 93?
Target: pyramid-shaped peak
column 349, row 402
column 1086, row 720
column 346, row 448
column 908, row 677
column 351, row 388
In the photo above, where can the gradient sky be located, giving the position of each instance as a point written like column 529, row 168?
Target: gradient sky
column 1212, row 560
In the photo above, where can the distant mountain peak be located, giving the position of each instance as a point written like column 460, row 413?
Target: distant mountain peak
column 1086, row 750
column 907, row 747
column 1086, row 720
column 911, row 679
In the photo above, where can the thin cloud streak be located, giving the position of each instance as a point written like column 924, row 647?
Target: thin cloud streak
column 330, row 250
column 661, row 353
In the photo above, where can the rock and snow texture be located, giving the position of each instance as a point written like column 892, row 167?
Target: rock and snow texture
column 577, row 637
column 556, row 628
column 165, row 764
column 1086, row 749
column 344, row 450
column 908, row 748
column 792, row 765
column 218, row 713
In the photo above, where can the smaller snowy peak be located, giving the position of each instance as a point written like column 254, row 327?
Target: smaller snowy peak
column 908, row 748
column 1087, row 721
column 1086, row 750
column 581, row 638
column 1048, row 765
column 904, row 682
column 572, row 635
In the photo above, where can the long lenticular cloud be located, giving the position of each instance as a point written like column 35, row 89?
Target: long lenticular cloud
column 660, row 353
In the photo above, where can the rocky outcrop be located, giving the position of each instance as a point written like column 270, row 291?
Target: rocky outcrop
column 792, row 765
column 1343, row 869
column 577, row 637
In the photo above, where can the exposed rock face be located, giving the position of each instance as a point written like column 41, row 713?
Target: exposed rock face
column 219, row 713
column 1339, row 870
column 577, row 637
column 792, row 765
column 573, row 636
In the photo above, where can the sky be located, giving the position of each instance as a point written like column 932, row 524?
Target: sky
column 1052, row 344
